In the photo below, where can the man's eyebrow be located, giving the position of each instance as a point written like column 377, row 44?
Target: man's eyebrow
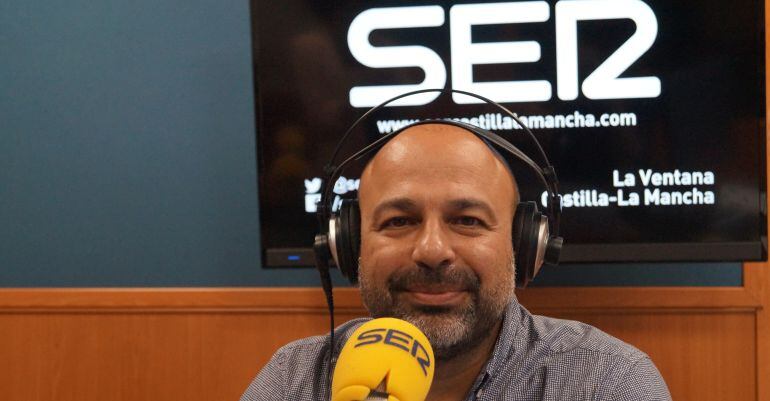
column 471, row 203
column 402, row 204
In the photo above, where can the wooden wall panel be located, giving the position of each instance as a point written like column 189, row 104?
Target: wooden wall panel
column 205, row 344
column 140, row 356
column 756, row 280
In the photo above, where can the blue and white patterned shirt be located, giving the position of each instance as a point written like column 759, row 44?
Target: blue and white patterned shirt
column 534, row 358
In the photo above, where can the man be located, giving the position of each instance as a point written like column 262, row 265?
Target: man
column 436, row 214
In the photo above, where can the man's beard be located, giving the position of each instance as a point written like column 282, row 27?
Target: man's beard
column 451, row 330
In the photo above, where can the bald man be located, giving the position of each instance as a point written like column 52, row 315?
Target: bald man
column 437, row 209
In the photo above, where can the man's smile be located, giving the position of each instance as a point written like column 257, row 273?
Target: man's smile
column 435, row 296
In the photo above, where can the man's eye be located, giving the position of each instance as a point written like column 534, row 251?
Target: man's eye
column 468, row 221
column 396, row 222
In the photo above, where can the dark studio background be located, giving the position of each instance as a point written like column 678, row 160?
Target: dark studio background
column 127, row 153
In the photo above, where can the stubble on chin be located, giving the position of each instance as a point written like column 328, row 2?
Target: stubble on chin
column 451, row 330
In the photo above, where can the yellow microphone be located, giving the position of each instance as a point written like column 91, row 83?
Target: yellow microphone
column 384, row 359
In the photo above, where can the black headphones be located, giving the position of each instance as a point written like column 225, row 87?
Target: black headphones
column 534, row 234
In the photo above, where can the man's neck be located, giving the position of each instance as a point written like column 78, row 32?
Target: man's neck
column 453, row 378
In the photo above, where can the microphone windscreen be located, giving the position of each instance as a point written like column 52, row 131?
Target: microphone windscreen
column 384, row 355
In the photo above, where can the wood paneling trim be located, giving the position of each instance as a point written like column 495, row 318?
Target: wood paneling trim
column 628, row 298
column 305, row 300
column 757, row 281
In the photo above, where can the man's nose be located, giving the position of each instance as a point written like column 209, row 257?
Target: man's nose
column 433, row 248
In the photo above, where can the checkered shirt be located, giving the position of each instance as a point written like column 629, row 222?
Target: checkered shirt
column 535, row 358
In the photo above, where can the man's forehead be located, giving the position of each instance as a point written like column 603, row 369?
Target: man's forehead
column 435, row 152
column 435, row 146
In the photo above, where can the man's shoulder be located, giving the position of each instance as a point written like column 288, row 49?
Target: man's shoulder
column 299, row 369
column 565, row 359
column 609, row 368
column 562, row 336
column 308, row 348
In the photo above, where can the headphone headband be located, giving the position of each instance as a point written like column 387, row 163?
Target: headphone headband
column 546, row 174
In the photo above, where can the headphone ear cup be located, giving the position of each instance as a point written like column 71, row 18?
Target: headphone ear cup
column 348, row 239
column 525, row 241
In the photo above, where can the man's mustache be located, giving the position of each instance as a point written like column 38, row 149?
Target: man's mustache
column 452, row 277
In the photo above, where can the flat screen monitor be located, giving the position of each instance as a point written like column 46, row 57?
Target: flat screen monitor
column 652, row 112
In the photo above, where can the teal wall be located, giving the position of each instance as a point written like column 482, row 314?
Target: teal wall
column 127, row 152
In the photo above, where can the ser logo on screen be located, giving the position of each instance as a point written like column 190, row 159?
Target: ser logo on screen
column 602, row 83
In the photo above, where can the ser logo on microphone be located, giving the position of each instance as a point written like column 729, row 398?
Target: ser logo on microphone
column 398, row 339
